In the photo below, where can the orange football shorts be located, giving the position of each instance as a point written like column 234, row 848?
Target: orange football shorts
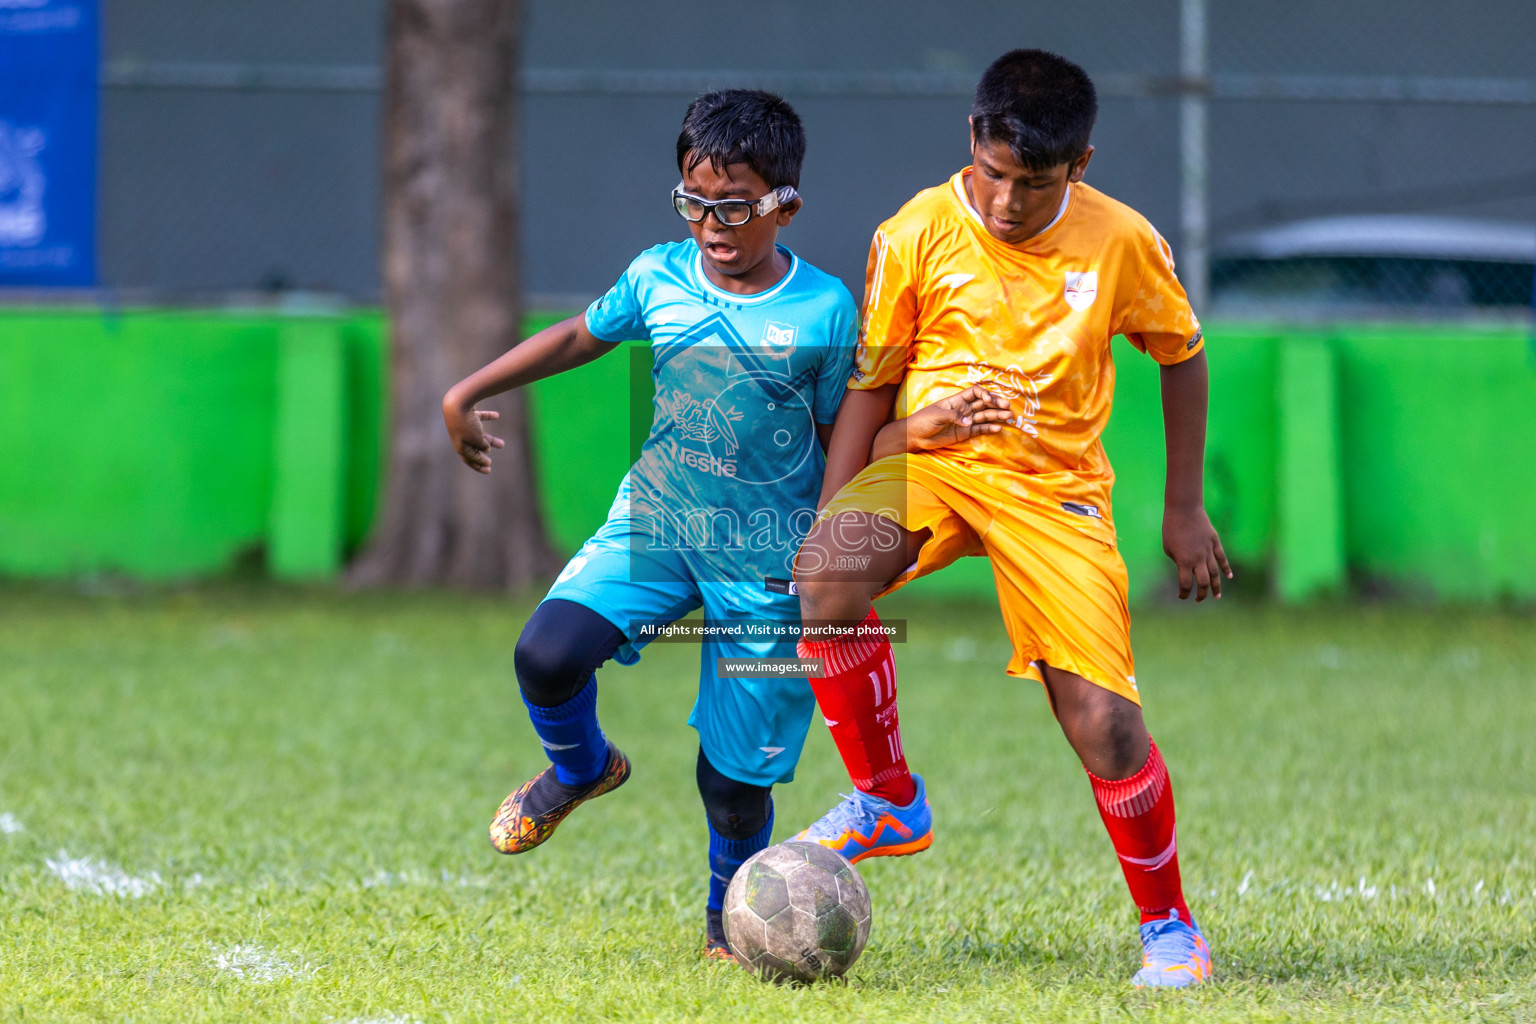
column 1061, row 583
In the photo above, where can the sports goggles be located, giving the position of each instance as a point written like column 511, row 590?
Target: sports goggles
column 732, row 213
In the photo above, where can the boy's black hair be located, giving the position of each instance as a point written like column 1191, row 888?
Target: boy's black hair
column 1038, row 103
column 745, row 126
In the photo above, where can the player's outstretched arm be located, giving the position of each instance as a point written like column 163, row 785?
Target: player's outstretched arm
column 958, row 417
column 555, row 349
column 859, row 418
column 1188, row 536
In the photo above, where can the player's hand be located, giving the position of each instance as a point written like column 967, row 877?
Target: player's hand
column 466, row 429
column 1190, row 540
column 959, row 417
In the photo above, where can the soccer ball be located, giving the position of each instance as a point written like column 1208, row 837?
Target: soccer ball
column 797, row 912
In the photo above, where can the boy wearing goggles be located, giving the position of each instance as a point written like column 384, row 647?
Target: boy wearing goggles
column 752, row 348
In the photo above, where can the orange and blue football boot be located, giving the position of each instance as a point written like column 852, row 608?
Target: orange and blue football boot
column 529, row 816
column 864, row 825
column 1175, row 956
column 715, row 946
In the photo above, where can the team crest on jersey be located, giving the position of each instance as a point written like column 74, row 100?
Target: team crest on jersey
column 1082, row 287
column 780, row 335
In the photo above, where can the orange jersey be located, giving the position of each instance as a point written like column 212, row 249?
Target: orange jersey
column 947, row 306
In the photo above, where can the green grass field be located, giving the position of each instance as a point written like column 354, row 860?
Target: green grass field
column 259, row 805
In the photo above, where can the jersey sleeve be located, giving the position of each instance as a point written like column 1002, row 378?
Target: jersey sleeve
column 837, row 362
column 618, row 315
column 1156, row 316
column 890, row 319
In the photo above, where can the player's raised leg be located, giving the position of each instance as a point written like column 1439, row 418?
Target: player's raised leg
column 740, row 817
column 556, row 655
column 1135, row 798
column 845, row 561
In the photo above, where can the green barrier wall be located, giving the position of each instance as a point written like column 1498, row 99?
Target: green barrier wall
column 1438, row 456
column 139, row 443
column 172, row 444
column 167, row 445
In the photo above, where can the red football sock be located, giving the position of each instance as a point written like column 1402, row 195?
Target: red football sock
column 1138, row 812
column 857, row 695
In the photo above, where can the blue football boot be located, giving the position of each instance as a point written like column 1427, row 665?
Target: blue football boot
column 864, row 825
column 1175, row 956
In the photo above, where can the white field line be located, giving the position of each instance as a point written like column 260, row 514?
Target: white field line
column 99, row 877
column 255, row 964
column 1249, row 887
column 86, row 874
column 1365, row 891
column 385, row 879
column 417, row 878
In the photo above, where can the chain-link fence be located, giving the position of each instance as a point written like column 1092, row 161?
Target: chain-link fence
column 1390, row 151
column 1305, row 160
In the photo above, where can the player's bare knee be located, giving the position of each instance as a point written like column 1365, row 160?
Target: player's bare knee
column 826, row 600
column 811, row 594
column 1112, row 737
column 1124, row 742
column 822, row 553
column 1105, row 729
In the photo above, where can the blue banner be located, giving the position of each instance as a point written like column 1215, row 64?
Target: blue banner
column 48, row 59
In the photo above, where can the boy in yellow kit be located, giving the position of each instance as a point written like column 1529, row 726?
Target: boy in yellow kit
column 983, row 382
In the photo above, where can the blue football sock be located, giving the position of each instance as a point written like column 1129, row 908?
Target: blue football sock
column 571, row 736
column 727, row 855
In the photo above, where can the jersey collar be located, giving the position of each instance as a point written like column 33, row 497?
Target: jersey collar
column 958, row 183
column 696, row 268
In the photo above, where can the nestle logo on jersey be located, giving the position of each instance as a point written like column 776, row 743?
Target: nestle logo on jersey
column 706, row 462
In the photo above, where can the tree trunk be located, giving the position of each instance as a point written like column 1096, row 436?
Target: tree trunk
column 450, row 280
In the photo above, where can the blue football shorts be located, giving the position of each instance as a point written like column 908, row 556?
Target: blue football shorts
column 752, row 730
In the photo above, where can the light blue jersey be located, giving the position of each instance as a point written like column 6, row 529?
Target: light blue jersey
column 725, row 488
column 732, row 468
